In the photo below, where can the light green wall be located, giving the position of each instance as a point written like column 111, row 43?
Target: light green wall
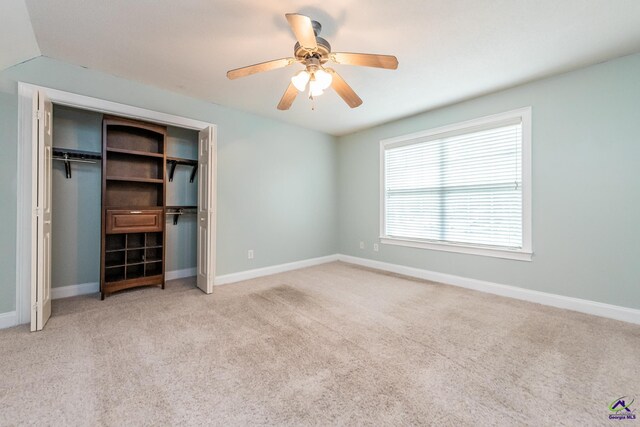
column 76, row 201
column 181, row 238
column 8, row 196
column 586, row 186
column 277, row 183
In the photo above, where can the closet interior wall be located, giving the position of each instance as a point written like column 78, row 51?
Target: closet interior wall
column 181, row 238
column 76, row 202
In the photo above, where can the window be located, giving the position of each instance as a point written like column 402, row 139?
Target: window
column 462, row 188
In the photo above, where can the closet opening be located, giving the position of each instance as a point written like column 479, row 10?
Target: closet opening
column 79, row 206
column 111, row 197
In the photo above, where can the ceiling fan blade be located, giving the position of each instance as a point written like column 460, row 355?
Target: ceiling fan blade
column 303, row 30
column 389, row 62
column 344, row 90
column 259, row 68
column 288, row 97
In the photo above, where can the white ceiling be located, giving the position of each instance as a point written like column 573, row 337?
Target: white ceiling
column 448, row 50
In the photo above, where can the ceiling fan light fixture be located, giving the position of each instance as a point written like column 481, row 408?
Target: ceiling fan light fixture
column 315, row 87
column 315, row 90
column 322, row 78
column 319, row 80
column 300, row 80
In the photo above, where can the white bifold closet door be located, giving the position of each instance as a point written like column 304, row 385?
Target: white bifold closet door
column 42, row 140
column 206, row 214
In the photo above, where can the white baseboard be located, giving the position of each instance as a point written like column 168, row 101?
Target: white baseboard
column 274, row 269
column 93, row 287
column 179, row 274
column 74, row 290
column 610, row 311
column 8, row 320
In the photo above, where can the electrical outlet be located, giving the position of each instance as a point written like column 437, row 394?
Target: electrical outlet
column 361, row 245
column 250, row 254
column 376, row 247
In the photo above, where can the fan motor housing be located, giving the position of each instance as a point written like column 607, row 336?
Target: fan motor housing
column 322, row 53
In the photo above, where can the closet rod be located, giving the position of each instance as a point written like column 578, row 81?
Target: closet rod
column 66, row 159
column 67, row 156
column 76, row 154
column 180, row 211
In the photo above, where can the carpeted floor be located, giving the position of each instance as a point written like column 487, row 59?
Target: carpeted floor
column 334, row 344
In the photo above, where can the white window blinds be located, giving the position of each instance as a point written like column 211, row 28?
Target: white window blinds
column 462, row 187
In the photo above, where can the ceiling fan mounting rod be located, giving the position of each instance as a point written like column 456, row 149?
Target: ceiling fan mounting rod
column 317, row 27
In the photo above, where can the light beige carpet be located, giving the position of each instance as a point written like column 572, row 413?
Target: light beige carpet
column 328, row 345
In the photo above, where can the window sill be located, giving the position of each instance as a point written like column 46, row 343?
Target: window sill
column 519, row 255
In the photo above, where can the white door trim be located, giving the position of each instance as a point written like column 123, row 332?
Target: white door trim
column 25, row 129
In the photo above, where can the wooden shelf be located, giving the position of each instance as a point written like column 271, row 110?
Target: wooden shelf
column 134, row 179
column 128, row 264
column 133, row 249
column 121, row 283
column 135, row 152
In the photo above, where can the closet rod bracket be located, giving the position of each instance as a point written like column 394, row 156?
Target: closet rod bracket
column 193, row 172
column 176, row 211
column 172, row 168
column 173, row 162
column 67, row 166
column 175, row 217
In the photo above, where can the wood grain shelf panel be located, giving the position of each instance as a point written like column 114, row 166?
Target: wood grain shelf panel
column 134, row 179
column 134, row 152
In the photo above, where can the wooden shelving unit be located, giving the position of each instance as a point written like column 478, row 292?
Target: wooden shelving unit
column 133, row 198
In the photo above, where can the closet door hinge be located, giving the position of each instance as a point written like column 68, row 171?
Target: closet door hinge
column 35, row 307
column 37, row 115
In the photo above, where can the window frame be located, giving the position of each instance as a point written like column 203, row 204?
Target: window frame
column 523, row 254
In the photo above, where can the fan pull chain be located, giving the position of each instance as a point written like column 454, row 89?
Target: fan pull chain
column 313, row 101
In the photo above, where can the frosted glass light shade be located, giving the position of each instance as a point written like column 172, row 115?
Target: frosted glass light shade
column 300, row 80
column 323, row 79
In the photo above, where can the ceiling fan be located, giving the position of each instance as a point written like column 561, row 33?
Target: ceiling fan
column 314, row 52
